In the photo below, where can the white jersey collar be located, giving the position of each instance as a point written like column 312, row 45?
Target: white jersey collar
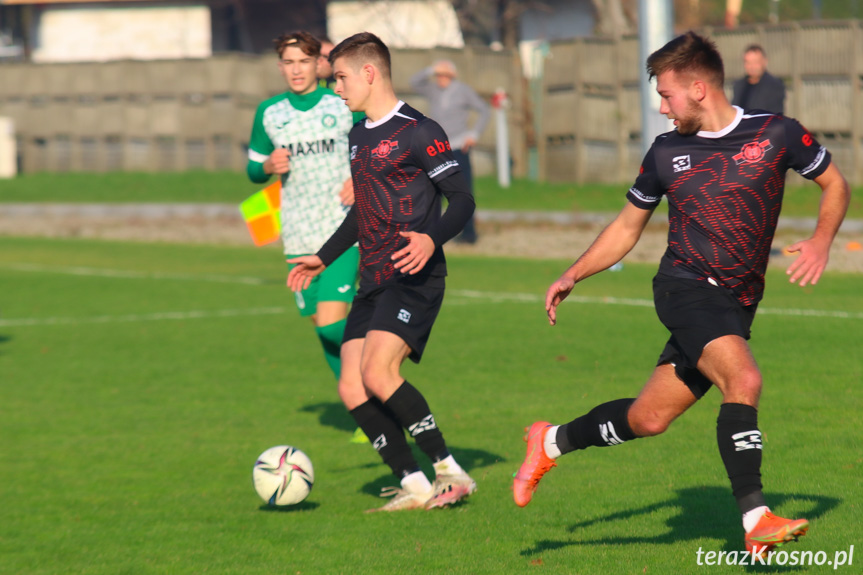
column 727, row 129
column 387, row 118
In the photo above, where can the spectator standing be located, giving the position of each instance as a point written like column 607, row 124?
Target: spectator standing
column 758, row 90
column 325, row 70
column 450, row 103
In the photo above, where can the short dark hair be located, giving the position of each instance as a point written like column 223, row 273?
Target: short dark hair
column 689, row 53
column 755, row 48
column 301, row 39
column 364, row 48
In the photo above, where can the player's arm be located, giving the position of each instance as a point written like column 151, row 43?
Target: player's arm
column 460, row 208
column 609, row 247
column 260, row 168
column 307, row 267
column 260, row 148
column 421, row 81
column 815, row 251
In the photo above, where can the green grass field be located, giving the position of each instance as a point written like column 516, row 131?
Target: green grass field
column 233, row 187
column 138, row 383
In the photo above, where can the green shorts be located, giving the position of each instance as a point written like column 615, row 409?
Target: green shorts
column 338, row 282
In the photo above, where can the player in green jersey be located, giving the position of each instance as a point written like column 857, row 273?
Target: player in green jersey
column 301, row 136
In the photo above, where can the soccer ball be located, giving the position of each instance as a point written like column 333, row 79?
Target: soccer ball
column 283, row 475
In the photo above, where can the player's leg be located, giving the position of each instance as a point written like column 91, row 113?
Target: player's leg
column 330, row 328
column 729, row 363
column 374, row 418
column 334, row 290
column 382, row 358
column 468, row 234
column 386, row 433
column 662, row 399
column 401, row 327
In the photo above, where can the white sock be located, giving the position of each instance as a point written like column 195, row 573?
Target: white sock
column 752, row 517
column 416, row 482
column 447, row 466
column 549, row 443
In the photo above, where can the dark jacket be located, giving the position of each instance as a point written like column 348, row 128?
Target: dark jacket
column 768, row 94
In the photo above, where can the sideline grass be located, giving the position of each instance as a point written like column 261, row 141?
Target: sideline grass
column 233, row 187
column 128, row 445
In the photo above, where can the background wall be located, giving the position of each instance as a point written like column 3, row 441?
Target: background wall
column 578, row 119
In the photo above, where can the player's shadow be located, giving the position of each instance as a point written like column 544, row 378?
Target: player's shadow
column 469, row 459
column 301, row 506
column 5, row 339
column 703, row 513
column 332, row 414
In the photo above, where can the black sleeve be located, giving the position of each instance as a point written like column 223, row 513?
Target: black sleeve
column 461, row 206
column 343, row 238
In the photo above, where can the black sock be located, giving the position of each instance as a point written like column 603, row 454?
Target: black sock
column 413, row 413
column 740, row 447
column 604, row 425
column 386, row 435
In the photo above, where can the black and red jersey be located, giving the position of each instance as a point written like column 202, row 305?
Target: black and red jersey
column 395, row 163
column 724, row 192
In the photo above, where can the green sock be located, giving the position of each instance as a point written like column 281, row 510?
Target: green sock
column 331, row 340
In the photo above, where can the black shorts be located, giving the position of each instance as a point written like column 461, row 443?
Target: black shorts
column 696, row 313
column 408, row 311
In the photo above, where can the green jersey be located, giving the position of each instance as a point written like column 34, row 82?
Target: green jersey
column 314, row 128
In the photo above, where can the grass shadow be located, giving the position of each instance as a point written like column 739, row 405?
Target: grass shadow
column 301, row 506
column 704, row 513
column 332, row 414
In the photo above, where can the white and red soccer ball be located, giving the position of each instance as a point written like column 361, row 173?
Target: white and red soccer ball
column 283, row 475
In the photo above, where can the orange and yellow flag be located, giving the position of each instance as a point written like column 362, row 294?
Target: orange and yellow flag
column 261, row 213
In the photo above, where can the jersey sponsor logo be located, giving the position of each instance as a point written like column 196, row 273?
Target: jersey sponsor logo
column 384, row 148
column 328, row 120
column 747, row 440
column 806, row 139
column 353, row 152
column 681, row 163
column 404, row 315
column 643, row 197
column 438, row 147
column 442, row 168
column 819, row 157
column 344, row 288
column 425, row 424
column 317, row 147
column 752, row 152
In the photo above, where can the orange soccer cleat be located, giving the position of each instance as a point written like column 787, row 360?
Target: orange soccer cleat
column 772, row 531
column 536, row 464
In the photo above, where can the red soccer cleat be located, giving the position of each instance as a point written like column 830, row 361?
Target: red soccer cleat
column 772, row 531
column 536, row 464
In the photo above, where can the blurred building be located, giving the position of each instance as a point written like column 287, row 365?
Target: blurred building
column 104, row 30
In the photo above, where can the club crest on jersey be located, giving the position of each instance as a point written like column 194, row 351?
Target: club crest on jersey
column 752, row 152
column 383, row 149
column 681, row 163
